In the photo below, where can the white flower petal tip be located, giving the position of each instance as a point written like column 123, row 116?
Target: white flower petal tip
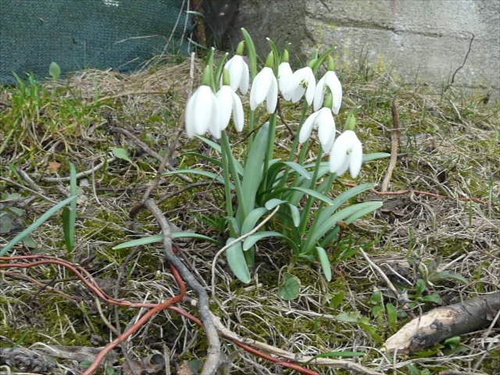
column 346, row 153
column 264, row 87
column 324, row 121
column 229, row 103
column 239, row 73
column 201, row 111
column 331, row 81
column 301, row 82
column 284, row 77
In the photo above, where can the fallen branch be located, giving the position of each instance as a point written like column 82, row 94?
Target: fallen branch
column 444, row 322
column 213, row 358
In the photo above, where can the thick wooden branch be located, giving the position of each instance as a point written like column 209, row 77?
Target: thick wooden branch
column 441, row 323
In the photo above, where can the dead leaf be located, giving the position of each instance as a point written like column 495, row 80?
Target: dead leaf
column 54, row 166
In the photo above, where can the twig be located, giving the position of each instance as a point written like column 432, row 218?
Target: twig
column 239, row 239
column 80, row 174
column 395, row 134
column 382, row 274
column 463, row 63
column 213, row 358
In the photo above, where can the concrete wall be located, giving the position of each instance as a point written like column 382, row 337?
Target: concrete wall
column 425, row 40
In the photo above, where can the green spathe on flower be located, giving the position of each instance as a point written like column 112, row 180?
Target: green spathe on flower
column 265, row 87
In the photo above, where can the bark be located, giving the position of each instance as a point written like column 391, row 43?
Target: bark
column 441, row 323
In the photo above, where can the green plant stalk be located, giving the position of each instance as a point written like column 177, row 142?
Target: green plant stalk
column 227, row 153
column 270, row 148
column 310, row 201
column 315, row 223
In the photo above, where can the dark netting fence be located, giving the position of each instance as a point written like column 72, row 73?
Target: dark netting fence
column 77, row 34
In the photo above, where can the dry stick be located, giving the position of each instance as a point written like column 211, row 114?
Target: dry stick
column 214, row 352
column 395, row 134
column 382, row 274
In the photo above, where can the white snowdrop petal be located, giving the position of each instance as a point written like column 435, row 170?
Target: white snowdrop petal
column 238, row 113
column 245, row 79
column 355, row 157
column 319, row 94
column 339, row 162
column 260, row 87
column 225, row 106
column 307, row 126
column 326, row 129
column 272, row 96
column 336, row 89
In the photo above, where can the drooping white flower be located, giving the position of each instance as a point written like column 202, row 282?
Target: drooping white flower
column 346, row 153
column 323, row 120
column 302, row 81
column 328, row 81
column 284, row 77
column 201, row 111
column 239, row 75
column 264, row 87
column 229, row 103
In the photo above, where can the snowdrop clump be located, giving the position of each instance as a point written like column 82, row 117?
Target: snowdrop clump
column 263, row 183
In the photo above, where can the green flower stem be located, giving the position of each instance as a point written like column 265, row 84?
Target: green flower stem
column 270, row 147
column 307, row 245
column 310, row 200
column 294, row 149
column 227, row 153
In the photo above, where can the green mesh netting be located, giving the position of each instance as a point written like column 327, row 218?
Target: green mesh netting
column 77, row 34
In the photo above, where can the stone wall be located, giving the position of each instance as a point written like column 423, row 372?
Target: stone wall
column 425, row 40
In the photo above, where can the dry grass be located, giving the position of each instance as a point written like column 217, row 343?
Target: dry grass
column 442, row 228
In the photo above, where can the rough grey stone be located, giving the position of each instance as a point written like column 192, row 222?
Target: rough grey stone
column 417, row 40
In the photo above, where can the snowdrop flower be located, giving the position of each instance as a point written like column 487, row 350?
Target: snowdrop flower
column 284, row 76
column 201, row 111
column 328, row 81
column 239, row 75
column 347, row 152
column 302, row 81
column 228, row 103
column 264, row 87
column 323, row 120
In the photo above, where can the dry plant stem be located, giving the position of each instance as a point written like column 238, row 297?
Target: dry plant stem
column 395, row 135
column 214, row 355
column 81, row 174
column 426, row 193
column 382, row 274
column 336, row 363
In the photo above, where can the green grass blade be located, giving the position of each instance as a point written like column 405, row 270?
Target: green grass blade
column 237, row 263
column 325, row 263
column 159, row 238
column 42, row 219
